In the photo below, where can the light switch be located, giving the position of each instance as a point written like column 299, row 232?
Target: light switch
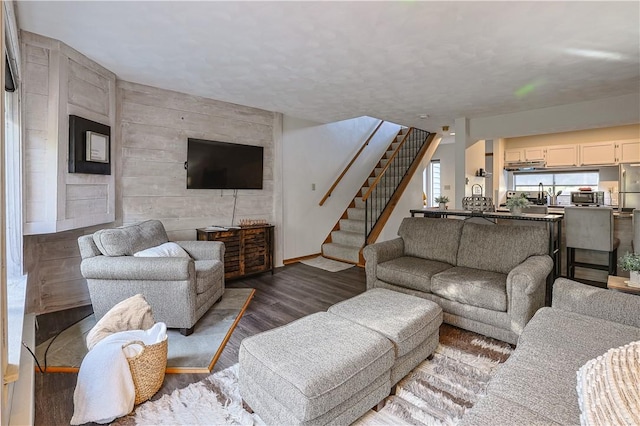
column 447, row 187
column 313, row 186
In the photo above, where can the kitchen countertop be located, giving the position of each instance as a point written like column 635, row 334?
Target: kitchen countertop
column 559, row 209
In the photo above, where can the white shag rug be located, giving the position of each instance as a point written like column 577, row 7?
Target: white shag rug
column 215, row 400
column 437, row 392
column 327, row 264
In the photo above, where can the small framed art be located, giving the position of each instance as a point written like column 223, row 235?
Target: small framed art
column 89, row 146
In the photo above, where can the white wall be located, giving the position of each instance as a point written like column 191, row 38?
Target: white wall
column 315, row 153
column 615, row 111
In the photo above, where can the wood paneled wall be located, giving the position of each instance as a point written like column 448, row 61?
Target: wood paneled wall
column 58, row 82
column 149, row 150
column 154, row 125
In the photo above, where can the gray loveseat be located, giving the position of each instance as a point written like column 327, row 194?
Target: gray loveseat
column 487, row 278
column 180, row 290
column 537, row 384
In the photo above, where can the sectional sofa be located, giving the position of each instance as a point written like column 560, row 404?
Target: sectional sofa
column 537, row 385
column 487, row 278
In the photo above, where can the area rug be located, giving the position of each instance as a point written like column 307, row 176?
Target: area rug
column 327, row 264
column 196, row 353
column 437, row 392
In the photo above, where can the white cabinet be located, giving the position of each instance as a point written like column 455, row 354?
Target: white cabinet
column 513, row 155
column 628, row 151
column 562, row 155
column 534, row 154
column 598, row 153
column 524, row 154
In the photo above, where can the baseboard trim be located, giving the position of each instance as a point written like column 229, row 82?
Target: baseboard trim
column 298, row 259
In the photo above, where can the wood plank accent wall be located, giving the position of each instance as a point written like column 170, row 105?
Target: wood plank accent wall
column 154, row 125
column 58, row 82
column 60, row 206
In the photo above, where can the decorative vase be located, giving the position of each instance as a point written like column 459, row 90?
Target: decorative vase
column 516, row 211
column 634, row 279
column 442, row 206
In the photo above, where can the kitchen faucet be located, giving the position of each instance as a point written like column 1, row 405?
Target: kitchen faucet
column 540, row 200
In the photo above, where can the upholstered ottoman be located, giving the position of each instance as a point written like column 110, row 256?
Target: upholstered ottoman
column 317, row 370
column 410, row 322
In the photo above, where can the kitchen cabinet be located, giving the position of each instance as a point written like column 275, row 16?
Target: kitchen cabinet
column 598, row 153
column 513, row 156
column 562, row 155
column 628, row 151
column 534, row 154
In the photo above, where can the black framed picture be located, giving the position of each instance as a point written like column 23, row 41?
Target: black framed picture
column 89, row 146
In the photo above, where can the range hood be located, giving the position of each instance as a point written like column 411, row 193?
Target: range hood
column 525, row 165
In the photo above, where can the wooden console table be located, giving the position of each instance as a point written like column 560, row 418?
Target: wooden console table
column 248, row 250
column 620, row 284
column 555, row 233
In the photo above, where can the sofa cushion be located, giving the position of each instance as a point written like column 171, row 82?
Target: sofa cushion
column 208, row 273
column 475, row 287
column 163, row 250
column 500, row 248
column 541, row 373
column 127, row 240
column 410, row 272
column 431, row 238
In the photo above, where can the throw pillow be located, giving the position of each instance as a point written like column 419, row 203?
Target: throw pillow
column 609, row 387
column 163, row 250
column 133, row 313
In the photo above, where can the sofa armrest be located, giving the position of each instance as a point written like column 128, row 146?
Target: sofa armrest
column 596, row 302
column 378, row 253
column 526, row 289
column 203, row 250
column 138, row 268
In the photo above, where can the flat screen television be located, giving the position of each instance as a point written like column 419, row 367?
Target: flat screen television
column 223, row 165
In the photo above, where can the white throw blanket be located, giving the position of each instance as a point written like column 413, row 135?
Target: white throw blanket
column 105, row 389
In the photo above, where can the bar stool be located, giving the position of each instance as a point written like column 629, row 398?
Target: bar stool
column 590, row 228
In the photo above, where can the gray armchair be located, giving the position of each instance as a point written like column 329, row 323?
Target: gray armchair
column 180, row 290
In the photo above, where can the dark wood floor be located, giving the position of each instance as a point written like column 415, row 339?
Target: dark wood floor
column 291, row 293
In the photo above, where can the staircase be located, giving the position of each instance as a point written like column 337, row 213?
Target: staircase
column 376, row 198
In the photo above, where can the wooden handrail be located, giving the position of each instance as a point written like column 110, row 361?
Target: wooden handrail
column 344, row 172
column 386, row 166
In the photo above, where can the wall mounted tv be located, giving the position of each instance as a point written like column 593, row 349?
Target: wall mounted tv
column 222, row 165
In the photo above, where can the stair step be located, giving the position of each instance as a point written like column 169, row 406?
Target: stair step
column 352, row 225
column 356, row 214
column 371, row 180
column 359, row 202
column 342, row 252
column 347, row 238
column 389, row 189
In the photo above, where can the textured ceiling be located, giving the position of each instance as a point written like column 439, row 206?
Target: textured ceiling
column 328, row 61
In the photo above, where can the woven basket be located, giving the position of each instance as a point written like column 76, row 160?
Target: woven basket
column 147, row 369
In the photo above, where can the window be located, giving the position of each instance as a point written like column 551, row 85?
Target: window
column 431, row 186
column 566, row 182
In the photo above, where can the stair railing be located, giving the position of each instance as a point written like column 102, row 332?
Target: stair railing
column 355, row 157
column 384, row 186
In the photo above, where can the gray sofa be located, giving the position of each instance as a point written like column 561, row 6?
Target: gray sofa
column 487, row 278
column 180, row 290
column 537, row 384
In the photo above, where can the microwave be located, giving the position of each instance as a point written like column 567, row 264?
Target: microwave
column 587, row 198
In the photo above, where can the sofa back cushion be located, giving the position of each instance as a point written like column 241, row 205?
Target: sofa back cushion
column 127, row 240
column 430, row 238
column 500, row 248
